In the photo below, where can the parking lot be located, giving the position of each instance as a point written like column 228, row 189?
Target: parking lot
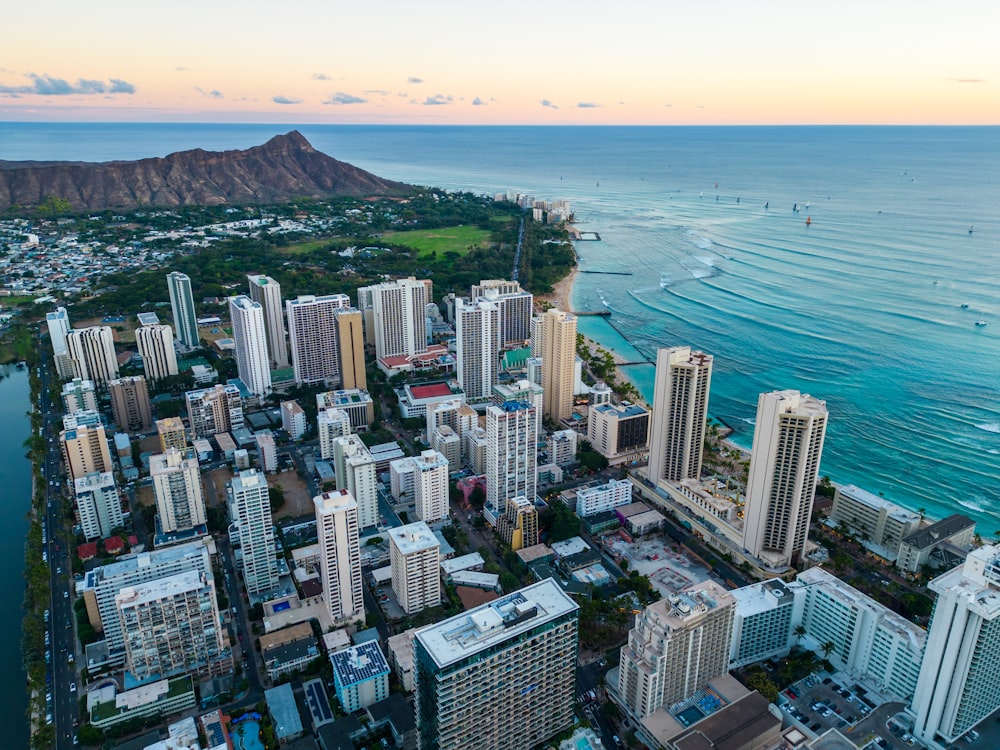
column 820, row 703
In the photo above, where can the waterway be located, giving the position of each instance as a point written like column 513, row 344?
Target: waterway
column 15, row 501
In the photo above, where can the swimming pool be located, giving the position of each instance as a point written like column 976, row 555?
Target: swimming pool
column 246, row 736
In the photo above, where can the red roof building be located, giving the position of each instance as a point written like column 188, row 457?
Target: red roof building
column 87, row 551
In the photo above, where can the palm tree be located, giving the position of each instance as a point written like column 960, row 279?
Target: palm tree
column 799, row 631
column 827, row 648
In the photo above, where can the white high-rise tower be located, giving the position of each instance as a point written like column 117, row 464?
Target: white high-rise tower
column 511, row 455
column 784, row 468
column 312, row 331
column 340, row 555
column 182, row 306
column 477, row 329
column 267, row 292
column 251, row 344
column 156, row 347
column 92, row 352
column 250, row 507
column 58, row 323
column 399, row 316
column 680, row 409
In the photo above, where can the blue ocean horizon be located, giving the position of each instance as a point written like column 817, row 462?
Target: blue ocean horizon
column 861, row 307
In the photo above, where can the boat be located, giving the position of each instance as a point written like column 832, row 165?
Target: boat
column 981, row 322
column 809, row 220
column 965, row 305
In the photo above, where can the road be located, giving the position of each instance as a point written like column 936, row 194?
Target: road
column 61, row 676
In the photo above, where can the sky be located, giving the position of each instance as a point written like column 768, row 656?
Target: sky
column 638, row 62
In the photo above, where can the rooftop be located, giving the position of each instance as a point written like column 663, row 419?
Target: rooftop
column 281, row 704
column 414, row 537
column 938, row 531
column 359, row 663
column 501, row 620
column 431, row 390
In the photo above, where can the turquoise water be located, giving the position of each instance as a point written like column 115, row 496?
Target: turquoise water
column 861, row 308
column 246, row 736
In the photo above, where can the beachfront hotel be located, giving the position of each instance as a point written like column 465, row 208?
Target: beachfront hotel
column 958, row 685
column 501, row 675
column 784, row 468
column 558, row 349
column 680, row 409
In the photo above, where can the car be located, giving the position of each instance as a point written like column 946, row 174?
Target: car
column 65, row 595
column 850, row 699
column 72, row 687
column 46, row 615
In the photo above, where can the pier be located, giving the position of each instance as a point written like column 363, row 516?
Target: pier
column 610, row 273
column 602, row 313
column 578, row 236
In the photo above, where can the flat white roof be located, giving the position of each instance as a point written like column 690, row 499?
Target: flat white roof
column 468, row 633
column 464, row 562
column 414, row 537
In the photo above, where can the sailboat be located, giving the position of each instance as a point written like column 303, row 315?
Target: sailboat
column 809, row 220
column 981, row 322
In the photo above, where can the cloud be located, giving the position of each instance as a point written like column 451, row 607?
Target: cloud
column 547, row 103
column 46, row 85
column 588, row 105
column 438, row 99
column 477, row 102
column 320, row 77
column 413, row 79
column 213, row 94
column 969, row 80
column 181, row 68
column 285, row 100
column 377, row 92
column 342, row 98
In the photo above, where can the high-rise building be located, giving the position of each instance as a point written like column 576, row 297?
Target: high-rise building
column 514, row 306
column 454, row 413
column 85, row 445
column 518, row 525
column 58, row 324
column 101, row 585
column 562, row 447
column 448, row 443
column 92, row 352
column 182, row 306
column 130, row 403
column 250, row 335
column 215, row 409
column 398, row 316
column 784, row 468
column 620, row 430
column 312, row 332
column 958, row 685
column 680, row 409
column 330, row 425
column 180, row 503
column 250, row 508
column 501, row 675
column 266, row 292
column 340, row 556
column 477, row 337
column 558, row 334
column 172, row 434
column 678, row 644
column 423, row 478
column 355, row 468
column 511, row 455
column 293, row 419
column 355, row 402
column 79, row 395
column 415, row 557
column 520, row 390
column 171, row 626
column 351, row 347
column 98, row 504
column 156, row 347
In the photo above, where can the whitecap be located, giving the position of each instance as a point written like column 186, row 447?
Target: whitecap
column 749, row 420
column 989, row 427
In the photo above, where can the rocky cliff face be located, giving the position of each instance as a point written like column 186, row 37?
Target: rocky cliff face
column 285, row 167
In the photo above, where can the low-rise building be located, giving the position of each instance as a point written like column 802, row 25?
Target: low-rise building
column 598, row 499
column 293, row 419
column 918, row 549
column 360, row 676
column 285, row 712
column 875, row 520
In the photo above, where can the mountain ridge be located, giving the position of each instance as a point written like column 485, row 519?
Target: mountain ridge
column 285, row 167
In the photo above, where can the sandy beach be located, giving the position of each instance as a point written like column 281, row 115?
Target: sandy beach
column 559, row 297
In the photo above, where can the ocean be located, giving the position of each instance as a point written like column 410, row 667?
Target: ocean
column 872, row 305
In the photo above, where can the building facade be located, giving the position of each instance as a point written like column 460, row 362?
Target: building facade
column 182, row 307
column 415, row 557
column 85, row 445
column 58, row 325
column 511, row 456
column 399, row 316
column 266, row 292
column 213, row 410
column 250, row 508
column 351, row 348
column 92, row 352
column 180, row 502
column 676, row 647
column 156, row 347
column 477, row 337
column 356, row 474
column 501, row 675
column 784, row 467
column 250, row 334
column 130, row 403
column 620, row 430
column 340, row 556
column 360, row 676
column 680, row 408
column 79, row 395
column 593, row 500
column 312, row 332
column 558, row 351
column 518, row 524
column 98, row 504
